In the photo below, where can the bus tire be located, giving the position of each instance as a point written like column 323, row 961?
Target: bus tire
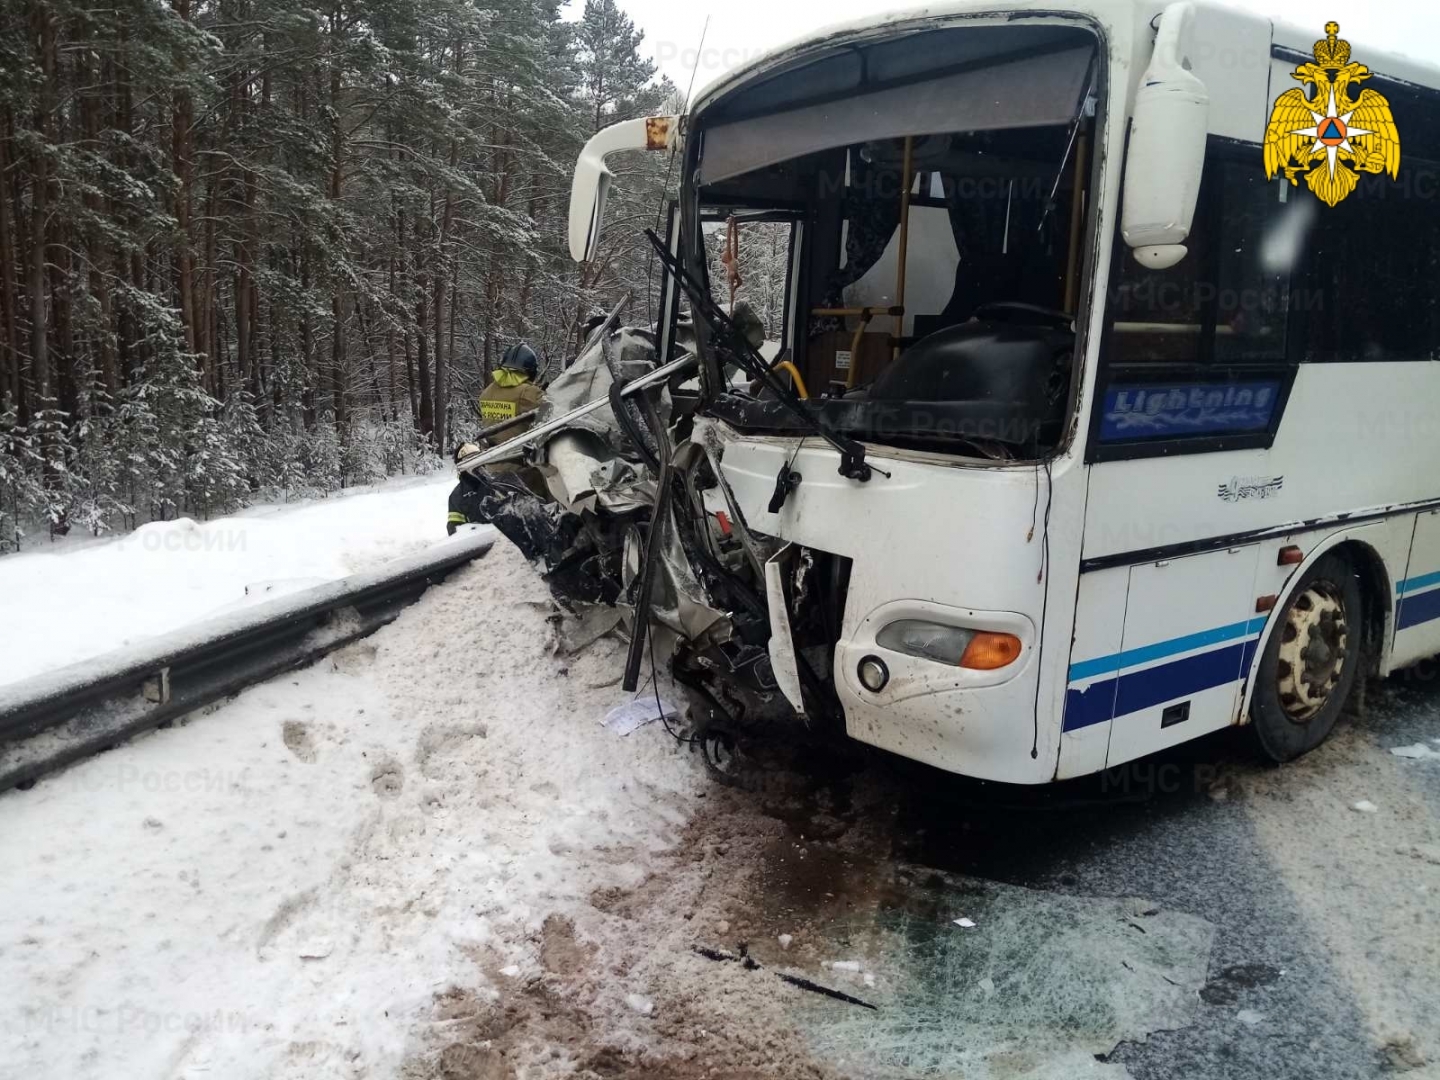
column 1310, row 661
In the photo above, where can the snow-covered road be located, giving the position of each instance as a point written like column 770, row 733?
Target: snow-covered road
column 81, row 598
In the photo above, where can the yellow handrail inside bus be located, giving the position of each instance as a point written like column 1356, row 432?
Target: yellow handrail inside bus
column 794, row 373
column 864, row 314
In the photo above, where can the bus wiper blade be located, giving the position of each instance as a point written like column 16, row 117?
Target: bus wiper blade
column 852, row 453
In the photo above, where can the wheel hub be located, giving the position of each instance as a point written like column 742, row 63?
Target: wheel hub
column 1313, row 644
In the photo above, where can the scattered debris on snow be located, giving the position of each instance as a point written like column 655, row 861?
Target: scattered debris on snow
column 316, row 949
column 624, row 719
column 968, row 924
column 1418, row 751
column 1400, row 1053
column 1365, row 806
column 987, row 986
column 511, row 971
column 785, row 940
column 1249, row 1017
column 640, row 1003
column 846, row 965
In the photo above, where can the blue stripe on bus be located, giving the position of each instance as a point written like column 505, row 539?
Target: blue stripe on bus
column 1104, row 665
column 1139, row 690
column 1417, row 608
column 1415, row 584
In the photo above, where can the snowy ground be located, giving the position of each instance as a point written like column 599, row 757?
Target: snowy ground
column 80, row 598
column 285, row 885
column 426, row 859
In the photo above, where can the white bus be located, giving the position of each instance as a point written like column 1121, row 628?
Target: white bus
column 1146, row 426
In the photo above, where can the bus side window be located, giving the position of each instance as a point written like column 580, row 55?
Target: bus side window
column 1157, row 314
column 1375, row 259
column 1228, row 300
column 1262, row 244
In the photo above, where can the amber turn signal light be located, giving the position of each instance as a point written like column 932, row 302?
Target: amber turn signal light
column 1290, row 555
column 988, row 651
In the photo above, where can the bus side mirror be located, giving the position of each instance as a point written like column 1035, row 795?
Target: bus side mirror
column 1167, row 148
column 592, row 176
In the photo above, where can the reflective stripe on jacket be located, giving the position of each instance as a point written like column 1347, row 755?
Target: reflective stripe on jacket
column 505, row 398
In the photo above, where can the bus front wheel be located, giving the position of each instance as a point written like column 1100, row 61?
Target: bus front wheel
column 1310, row 662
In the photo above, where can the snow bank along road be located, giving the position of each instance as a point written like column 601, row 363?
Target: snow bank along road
column 75, row 599
column 426, row 858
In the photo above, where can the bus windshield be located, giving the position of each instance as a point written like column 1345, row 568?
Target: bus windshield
column 914, row 267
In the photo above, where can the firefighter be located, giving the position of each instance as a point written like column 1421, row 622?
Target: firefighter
column 465, row 499
column 512, row 392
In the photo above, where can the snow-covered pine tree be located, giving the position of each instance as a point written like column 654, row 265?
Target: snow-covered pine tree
column 253, row 214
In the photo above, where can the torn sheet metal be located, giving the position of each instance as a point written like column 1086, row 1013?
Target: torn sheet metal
column 582, row 474
column 782, row 641
column 589, row 379
column 678, row 600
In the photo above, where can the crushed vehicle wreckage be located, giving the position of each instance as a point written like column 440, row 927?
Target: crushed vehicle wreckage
column 619, row 445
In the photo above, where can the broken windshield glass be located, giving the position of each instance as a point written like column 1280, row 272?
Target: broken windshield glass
column 936, row 246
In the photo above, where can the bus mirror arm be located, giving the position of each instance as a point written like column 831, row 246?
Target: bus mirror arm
column 592, row 175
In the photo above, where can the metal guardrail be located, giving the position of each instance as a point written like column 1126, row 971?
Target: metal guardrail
column 62, row 716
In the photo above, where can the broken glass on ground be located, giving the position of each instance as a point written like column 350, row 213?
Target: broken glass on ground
column 1039, row 988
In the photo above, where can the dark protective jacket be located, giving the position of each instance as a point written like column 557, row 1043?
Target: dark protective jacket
column 465, row 504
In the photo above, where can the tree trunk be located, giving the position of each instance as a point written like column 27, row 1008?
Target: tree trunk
column 411, row 383
column 442, row 369
column 422, row 362
column 10, row 343
column 39, row 321
column 181, row 119
column 337, row 179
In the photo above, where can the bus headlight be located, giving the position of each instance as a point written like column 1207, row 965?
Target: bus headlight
column 980, row 650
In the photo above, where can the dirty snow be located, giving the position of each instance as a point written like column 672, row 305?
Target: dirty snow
column 425, row 858
column 81, row 599
column 283, row 887
column 1364, row 884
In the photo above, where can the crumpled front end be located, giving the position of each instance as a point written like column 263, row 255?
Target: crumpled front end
column 745, row 622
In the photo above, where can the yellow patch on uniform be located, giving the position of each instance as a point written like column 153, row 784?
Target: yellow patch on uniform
column 497, row 410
